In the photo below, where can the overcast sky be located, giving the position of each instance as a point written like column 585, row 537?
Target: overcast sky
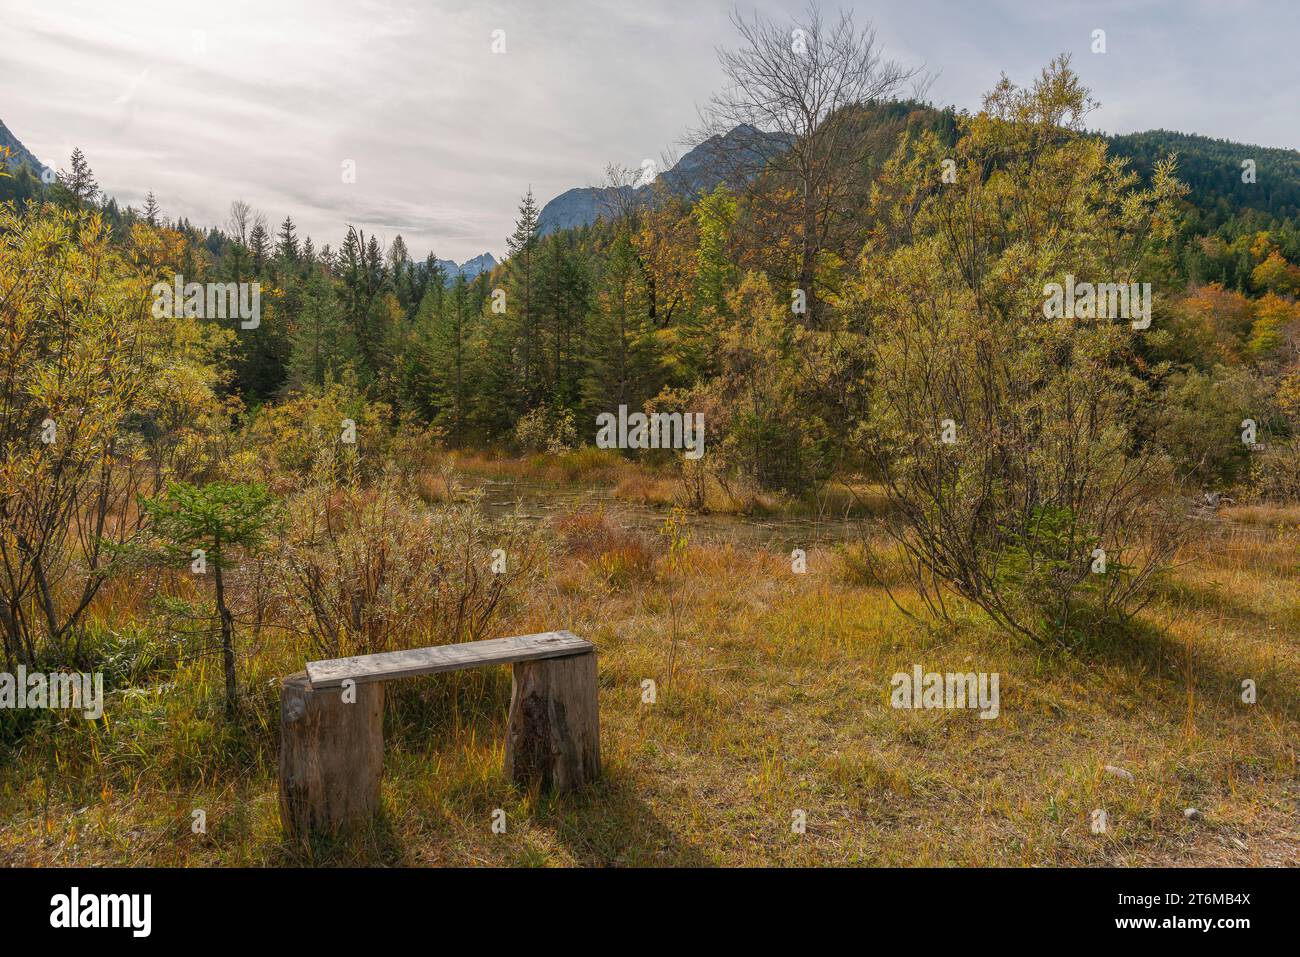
column 204, row 102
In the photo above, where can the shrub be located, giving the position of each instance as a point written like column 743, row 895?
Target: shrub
column 1198, row 421
column 281, row 443
column 1275, row 473
column 77, row 349
column 1004, row 439
column 622, row 555
column 546, row 428
column 370, row 568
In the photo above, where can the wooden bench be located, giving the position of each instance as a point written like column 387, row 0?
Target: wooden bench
column 332, row 723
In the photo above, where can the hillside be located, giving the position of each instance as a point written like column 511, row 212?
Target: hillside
column 1212, row 168
column 18, row 153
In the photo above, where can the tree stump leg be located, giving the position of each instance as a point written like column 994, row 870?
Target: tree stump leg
column 554, row 727
column 331, row 756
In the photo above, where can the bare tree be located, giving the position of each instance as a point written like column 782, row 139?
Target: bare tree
column 801, row 81
column 622, row 199
column 629, row 191
column 241, row 216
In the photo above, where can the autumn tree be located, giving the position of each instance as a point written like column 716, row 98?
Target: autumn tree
column 1006, row 440
column 75, row 339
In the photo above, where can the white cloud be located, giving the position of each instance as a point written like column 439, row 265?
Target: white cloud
column 205, row 103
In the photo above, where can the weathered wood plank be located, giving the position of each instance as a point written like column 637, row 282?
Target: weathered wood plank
column 425, row 661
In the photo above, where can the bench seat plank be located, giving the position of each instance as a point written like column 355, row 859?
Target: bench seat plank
column 425, row 661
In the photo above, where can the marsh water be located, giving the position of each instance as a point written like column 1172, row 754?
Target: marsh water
column 541, row 501
column 537, row 501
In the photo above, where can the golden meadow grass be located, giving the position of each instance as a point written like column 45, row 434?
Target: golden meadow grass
column 779, row 702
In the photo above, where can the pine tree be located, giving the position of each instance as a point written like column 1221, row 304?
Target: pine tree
column 492, row 360
column 562, row 302
column 621, row 361
column 79, row 181
column 259, row 242
column 321, row 344
column 436, row 378
column 522, row 246
column 151, row 209
column 361, row 268
column 216, row 519
column 287, row 244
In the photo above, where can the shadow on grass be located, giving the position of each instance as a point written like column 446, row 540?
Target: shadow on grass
column 608, row 825
column 1147, row 650
column 604, row 825
column 1204, row 597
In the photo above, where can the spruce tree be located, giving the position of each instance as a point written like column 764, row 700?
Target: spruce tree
column 287, row 243
column 621, row 361
column 522, row 246
column 259, row 243
column 79, row 181
column 151, row 209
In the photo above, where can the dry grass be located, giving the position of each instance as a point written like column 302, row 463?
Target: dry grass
column 1282, row 516
column 620, row 555
column 586, row 465
column 780, row 702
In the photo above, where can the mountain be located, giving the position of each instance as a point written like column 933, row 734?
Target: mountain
column 581, row 206
column 19, row 154
column 470, row 268
column 700, row 170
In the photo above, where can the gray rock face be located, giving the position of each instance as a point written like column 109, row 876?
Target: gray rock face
column 580, row 207
column 717, row 159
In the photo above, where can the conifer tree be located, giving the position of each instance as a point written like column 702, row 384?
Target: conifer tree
column 522, row 245
column 259, row 243
column 287, row 244
column 79, row 181
column 151, row 209
column 621, row 362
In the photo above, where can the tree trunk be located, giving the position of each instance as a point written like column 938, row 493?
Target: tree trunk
column 554, row 725
column 227, row 641
column 331, row 756
column 808, row 258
